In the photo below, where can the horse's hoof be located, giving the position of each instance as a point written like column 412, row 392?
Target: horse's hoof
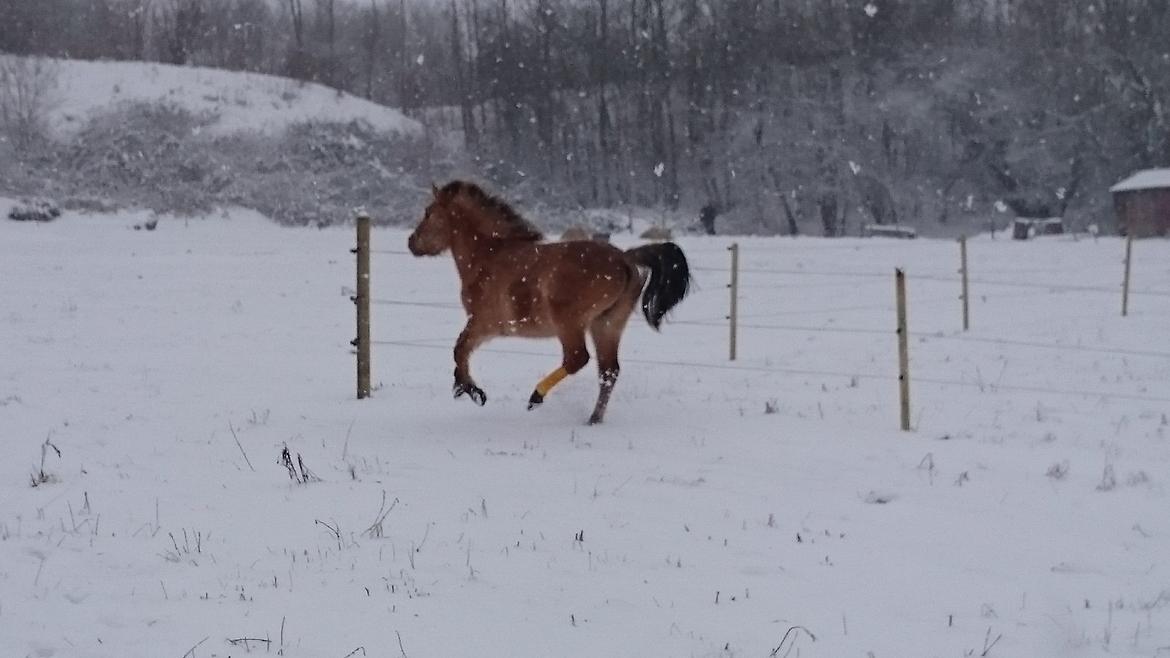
column 594, row 420
column 535, row 401
column 477, row 395
column 474, row 392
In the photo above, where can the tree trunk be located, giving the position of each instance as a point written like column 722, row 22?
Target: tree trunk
column 466, row 111
column 373, row 41
column 603, row 120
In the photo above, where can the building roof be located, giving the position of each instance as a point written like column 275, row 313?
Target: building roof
column 1148, row 179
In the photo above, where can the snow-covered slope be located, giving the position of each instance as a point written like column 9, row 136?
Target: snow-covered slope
column 723, row 507
column 240, row 101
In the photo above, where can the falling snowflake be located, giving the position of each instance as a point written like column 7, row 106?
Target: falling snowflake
column 1001, row 206
column 854, row 167
column 658, row 169
column 420, row 59
column 871, row 10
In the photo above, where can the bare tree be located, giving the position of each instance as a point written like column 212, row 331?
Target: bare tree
column 327, row 20
column 604, row 128
column 462, row 87
column 27, row 87
column 131, row 38
column 179, row 25
column 298, row 58
column 371, row 42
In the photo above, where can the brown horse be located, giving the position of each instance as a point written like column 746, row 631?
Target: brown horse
column 515, row 285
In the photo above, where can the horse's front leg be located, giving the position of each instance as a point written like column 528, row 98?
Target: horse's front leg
column 469, row 339
column 575, row 356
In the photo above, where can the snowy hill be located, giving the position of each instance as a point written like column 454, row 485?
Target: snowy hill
column 188, row 140
column 239, row 102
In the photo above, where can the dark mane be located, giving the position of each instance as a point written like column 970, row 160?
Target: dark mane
column 508, row 223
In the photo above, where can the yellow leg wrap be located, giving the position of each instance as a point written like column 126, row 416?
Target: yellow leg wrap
column 552, row 380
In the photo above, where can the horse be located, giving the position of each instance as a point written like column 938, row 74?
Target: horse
column 514, row 284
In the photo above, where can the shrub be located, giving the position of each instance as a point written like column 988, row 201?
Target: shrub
column 34, row 210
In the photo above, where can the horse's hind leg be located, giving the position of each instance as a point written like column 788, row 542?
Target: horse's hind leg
column 469, row 339
column 575, row 356
column 607, row 336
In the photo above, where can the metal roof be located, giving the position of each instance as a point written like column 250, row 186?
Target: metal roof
column 1148, row 179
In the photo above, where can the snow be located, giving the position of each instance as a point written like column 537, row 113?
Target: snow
column 693, row 523
column 1147, row 179
column 242, row 102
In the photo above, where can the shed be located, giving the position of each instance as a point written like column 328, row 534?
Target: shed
column 1026, row 228
column 1142, row 203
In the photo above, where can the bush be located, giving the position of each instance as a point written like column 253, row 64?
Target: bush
column 34, row 210
column 318, row 173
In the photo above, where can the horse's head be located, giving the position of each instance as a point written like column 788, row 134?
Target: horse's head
column 460, row 206
column 432, row 236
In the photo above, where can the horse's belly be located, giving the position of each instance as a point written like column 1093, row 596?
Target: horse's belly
column 528, row 330
column 528, row 317
column 525, row 309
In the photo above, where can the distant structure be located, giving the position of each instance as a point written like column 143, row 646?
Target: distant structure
column 582, row 233
column 656, row 234
column 707, row 215
column 575, row 233
column 1142, row 203
column 1026, row 228
column 888, row 231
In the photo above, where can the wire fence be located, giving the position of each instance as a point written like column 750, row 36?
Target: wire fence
column 926, row 335
column 403, row 302
column 814, row 372
column 941, row 278
column 764, row 279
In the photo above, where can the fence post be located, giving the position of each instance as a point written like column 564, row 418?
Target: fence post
column 1125, row 281
column 362, row 301
column 963, row 271
column 734, row 287
column 903, row 350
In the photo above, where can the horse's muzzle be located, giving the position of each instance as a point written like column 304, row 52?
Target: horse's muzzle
column 412, row 244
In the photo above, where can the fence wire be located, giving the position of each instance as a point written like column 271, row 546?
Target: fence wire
column 810, row 372
column 851, row 278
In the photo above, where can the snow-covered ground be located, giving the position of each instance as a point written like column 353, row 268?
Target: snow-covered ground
column 240, row 102
column 1025, row 516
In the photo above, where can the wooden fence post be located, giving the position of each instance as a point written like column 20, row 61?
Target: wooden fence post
column 362, row 301
column 903, row 350
column 1125, row 281
column 963, row 271
column 734, row 287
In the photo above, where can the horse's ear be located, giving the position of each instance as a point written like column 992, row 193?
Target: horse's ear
column 435, row 190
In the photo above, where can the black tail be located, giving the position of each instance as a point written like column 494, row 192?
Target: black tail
column 670, row 278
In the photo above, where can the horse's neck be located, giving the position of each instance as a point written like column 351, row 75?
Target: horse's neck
column 471, row 251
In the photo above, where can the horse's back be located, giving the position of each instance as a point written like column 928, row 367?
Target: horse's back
column 535, row 289
column 593, row 250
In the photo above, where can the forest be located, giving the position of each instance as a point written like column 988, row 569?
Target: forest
column 777, row 116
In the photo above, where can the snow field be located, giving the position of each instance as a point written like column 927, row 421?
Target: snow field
column 693, row 523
